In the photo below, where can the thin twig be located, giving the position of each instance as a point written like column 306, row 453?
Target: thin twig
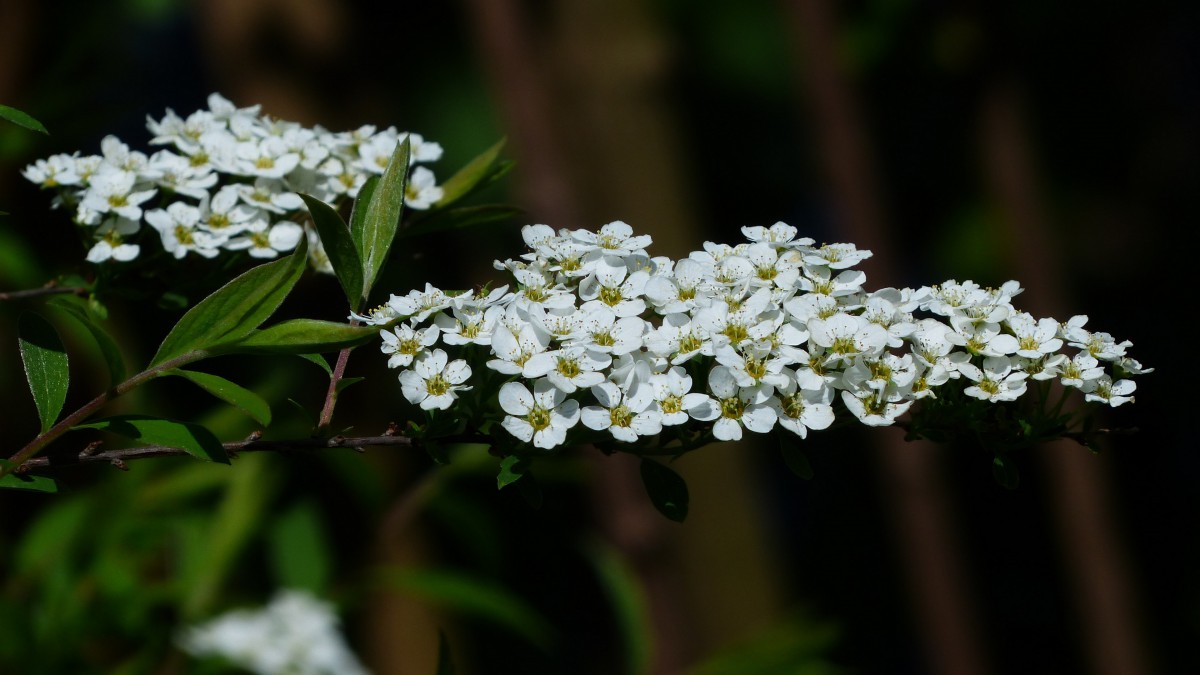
column 117, row 457
column 45, row 290
column 331, row 396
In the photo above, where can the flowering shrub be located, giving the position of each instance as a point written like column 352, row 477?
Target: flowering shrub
column 593, row 341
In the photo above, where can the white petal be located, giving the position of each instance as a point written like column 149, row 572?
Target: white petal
column 515, row 399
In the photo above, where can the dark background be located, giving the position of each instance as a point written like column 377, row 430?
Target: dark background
column 1055, row 143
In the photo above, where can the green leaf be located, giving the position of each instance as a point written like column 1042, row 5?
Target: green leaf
column 345, row 383
column 628, row 604
column 76, row 309
column 470, row 176
column 232, row 393
column 319, row 361
column 358, row 211
column 511, row 470
column 26, row 481
column 795, row 458
column 473, row 597
column 667, row 490
column 382, row 217
column 340, row 247
column 1005, row 473
column 459, row 219
column 300, row 336
column 191, row 438
column 445, row 664
column 21, row 119
column 46, row 369
column 300, row 550
column 235, row 309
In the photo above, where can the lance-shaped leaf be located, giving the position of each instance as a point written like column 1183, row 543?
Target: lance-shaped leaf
column 667, row 490
column 232, row 393
column 382, row 216
column 76, row 309
column 235, row 309
column 358, row 211
column 46, row 368
column 21, row 119
column 300, row 336
column 474, row 174
column 340, row 247
column 191, row 438
column 795, row 458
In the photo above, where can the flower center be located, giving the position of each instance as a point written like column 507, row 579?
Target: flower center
column 671, row 404
column 437, row 385
column 610, row 296
column 538, row 418
column 793, row 406
column 732, row 408
column 568, row 367
column 620, row 416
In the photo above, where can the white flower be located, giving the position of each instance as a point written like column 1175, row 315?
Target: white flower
column 780, row 234
column 404, row 343
column 601, row 331
column 261, row 242
column 54, row 171
column 419, row 305
column 112, row 190
column 847, row 336
column 110, row 244
column 678, row 290
column 542, row 417
column 1035, row 338
column 836, row 256
column 421, row 191
column 569, row 368
column 611, row 286
column 615, row 239
column 770, row 268
column 175, row 173
column 179, row 228
column 270, row 194
column 679, row 339
column 1081, row 371
column 737, row 407
column 224, row 213
column 873, row 410
column 433, row 383
column 1104, row 390
column 625, row 417
column 800, row 409
column 469, row 324
column 676, row 401
column 753, row 365
column 296, row 634
column 996, row 381
column 514, row 350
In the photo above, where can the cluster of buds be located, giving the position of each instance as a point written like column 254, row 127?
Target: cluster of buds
column 772, row 331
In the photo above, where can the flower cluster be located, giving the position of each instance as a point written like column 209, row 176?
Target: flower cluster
column 775, row 331
column 227, row 182
column 295, row 634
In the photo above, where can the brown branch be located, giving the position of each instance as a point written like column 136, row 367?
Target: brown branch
column 89, row 455
column 331, row 396
column 49, row 289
